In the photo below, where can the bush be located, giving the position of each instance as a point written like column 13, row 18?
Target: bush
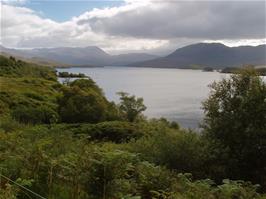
column 35, row 115
column 180, row 150
column 115, row 131
column 112, row 174
column 78, row 106
column 61, row 166
column 8, row 124
column 82, row 101
column 4, row 109
column 86, row 84
column 34, row 96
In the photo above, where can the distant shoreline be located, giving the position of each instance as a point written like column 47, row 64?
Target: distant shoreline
column 79, row 66
column 226, row 70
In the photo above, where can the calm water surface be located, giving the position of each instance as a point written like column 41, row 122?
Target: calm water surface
column 175, row 94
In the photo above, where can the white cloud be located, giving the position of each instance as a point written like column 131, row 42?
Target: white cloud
column 22, row 27
column 14, row 1
column 241, row 42
column 112, row 11
column 137, row 25
column 20, row 23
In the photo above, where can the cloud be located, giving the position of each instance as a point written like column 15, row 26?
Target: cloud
column 109, row 12
column 20, row 23
column 178, row 19
column 22, row 27
column 156, row 26
column 14, row 2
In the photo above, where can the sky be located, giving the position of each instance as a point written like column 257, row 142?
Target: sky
column 157, row 27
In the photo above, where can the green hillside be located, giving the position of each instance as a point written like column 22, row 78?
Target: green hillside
column 67, row 141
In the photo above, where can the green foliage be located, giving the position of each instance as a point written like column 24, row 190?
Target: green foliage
column 35, row 115
column 115, row 131
column 10, row 191
column 71, row 75
column 113, row 113
column 235, row 117
column 11, row 67
column 82, row 101
column 28, row 100
column 86, row 84
column 7, row 124
column 186, row 188
column 132, row 158
column 26, row 84
column 164, row 121
column 62, row 166
column 154, row 181
column 237, row 189
column 230, row 70
column 260, row 71
column 111, row 174
column 130, row 106
column 184, row 152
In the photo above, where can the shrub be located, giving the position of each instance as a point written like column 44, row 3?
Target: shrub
column 115, row 131
column 77, row 105
column 34, row 96
column 34, row 115
column 182, row 151
column 82, row 101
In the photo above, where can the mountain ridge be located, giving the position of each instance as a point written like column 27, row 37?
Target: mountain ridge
column 90, row 55
column 214, row 55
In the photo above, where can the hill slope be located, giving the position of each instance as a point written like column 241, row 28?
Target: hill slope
column 86, row 56
column 210, row 54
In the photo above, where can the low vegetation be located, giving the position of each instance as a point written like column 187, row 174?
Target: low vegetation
column 71, row 75
column 67, row 141
column 260, row 71
column 10, row 67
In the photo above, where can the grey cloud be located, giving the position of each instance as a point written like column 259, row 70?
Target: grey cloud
column 179, row 19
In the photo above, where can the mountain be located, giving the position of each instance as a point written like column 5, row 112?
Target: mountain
column 26, row 58
column 91, row 55
column 125, row 59
column 214, row 55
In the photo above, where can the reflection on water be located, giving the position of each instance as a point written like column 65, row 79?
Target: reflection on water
column 175, row 94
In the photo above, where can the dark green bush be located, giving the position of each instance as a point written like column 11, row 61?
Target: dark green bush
column 35, row 115
column 182, row 151
column 78, row 106
column 82, row 101
column 114, row 131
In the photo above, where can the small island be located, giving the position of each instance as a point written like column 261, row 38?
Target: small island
column 71, row 75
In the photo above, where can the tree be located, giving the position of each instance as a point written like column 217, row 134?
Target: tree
column 131, row 106
column 86, row 84
column 82, row 101
column 235, row 117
